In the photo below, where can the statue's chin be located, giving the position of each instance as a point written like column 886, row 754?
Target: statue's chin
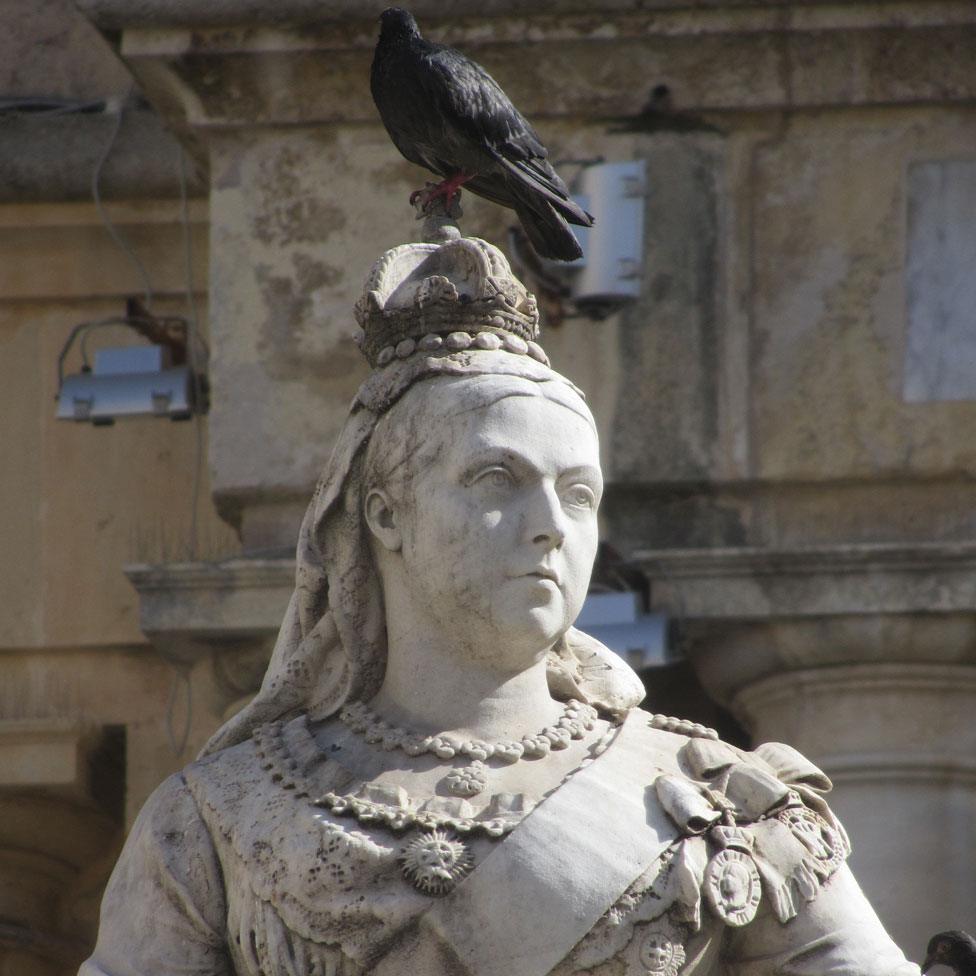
column 529, row 632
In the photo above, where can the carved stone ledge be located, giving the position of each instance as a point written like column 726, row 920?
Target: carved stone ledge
column 188, row 609
column 219, row 64
column 938, row 577
column 228, row 611
column 748, row 614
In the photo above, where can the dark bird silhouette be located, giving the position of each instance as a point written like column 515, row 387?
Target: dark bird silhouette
column 445, row 112
column 954, row 949
column 660, row 115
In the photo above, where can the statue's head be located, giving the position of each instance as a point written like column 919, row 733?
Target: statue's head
column 463, row 486
column 480, row 495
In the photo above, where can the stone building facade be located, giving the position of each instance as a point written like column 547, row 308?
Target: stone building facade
column 788, row 412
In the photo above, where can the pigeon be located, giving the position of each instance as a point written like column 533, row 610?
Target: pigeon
column 954, row 949
column 446, row 113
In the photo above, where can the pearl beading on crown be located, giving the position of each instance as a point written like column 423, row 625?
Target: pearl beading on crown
column 457, row 342
column 452, row 296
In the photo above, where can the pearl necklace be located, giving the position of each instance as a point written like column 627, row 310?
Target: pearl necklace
column 577, row 719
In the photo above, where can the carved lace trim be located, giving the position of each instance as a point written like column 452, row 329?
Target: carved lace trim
column 397, row 814
column 394, row 809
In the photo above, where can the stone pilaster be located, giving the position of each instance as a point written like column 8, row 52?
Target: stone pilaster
column 863, row 657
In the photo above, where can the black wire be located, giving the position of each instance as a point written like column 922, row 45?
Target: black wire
column 53, row 105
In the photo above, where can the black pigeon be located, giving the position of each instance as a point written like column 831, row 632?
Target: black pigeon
column 954, row 949
column 445, row 112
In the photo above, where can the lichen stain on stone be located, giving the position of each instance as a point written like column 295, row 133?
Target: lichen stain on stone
column 288, row 301
column 288, row 211
column 301, row 221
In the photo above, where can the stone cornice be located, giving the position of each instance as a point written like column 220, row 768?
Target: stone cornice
column 231, row 574
column 848, row 558
column 188, row 609
column 677, row 14
column 214, row 65
column 818, row 581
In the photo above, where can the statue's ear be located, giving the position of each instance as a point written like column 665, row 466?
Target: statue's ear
column 382, row 519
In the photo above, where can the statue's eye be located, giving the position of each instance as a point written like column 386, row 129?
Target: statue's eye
column 580, row 495
column 495, row 478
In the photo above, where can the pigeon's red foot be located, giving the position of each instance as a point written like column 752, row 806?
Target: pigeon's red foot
column 447, row 190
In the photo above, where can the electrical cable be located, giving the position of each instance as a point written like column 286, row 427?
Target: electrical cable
column 109, row 226
column 47, row 106
column 194, row 344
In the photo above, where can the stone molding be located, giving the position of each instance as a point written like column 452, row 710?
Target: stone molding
column 892, row 716
column 187, row 609
column 221, row 64
column 760, row 583
column 228, row 611
column 667, row 14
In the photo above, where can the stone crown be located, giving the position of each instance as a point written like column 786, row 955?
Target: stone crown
column 455, row 295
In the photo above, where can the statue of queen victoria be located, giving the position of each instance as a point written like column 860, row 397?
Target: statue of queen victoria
column 440, row 776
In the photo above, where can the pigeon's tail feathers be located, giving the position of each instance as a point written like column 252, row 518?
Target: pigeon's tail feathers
column 547, row 184
column 547, row 231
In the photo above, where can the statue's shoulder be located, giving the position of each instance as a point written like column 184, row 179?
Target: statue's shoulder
column 281, row 759
column 741, row 828
column 748, row 821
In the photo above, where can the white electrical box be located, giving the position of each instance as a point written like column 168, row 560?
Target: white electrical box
column 610, row 271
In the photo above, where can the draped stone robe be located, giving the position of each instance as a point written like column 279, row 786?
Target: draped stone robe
column 232, row 868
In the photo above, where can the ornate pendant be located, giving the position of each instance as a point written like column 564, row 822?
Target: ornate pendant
column 435, row 862
column 822, row 840
column 657, row 950
column 732, row 886
column 467, row 781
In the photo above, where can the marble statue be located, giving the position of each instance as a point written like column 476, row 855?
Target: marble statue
column 440, row 775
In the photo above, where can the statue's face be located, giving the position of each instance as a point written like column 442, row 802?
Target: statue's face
column 500, row 525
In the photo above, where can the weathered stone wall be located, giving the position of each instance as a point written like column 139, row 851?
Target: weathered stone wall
column 84, row 698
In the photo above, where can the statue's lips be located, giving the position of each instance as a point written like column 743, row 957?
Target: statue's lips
column 542, row 573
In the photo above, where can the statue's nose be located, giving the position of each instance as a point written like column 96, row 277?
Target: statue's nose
column 545, row 519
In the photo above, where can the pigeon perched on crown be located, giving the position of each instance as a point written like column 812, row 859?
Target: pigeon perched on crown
column 456, row 295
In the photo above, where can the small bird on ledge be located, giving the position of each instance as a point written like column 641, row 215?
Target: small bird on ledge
column 954, row 949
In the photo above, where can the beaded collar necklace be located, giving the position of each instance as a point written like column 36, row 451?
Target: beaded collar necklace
column 577, row 719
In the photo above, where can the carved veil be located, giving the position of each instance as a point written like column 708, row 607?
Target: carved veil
column 332, row 644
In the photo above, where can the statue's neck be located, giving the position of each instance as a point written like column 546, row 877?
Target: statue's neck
column 432, row 688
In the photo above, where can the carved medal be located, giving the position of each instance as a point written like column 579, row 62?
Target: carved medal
column 732, row 886
column 435, row 862
column 658, row 950
column 467, row 781
column 822, row 840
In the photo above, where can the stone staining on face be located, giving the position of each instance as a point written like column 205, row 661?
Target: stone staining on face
column 504, row 528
